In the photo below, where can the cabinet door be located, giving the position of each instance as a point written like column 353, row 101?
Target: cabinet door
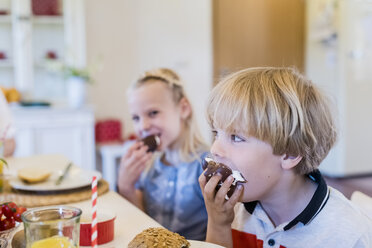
column 51, row 132
column 257, row 33
column 64, row 140
column 33, row 38
column 76, row 143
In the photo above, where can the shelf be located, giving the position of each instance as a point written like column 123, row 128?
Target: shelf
column 6, row 64
column 49, row 64
column 41, row 20
column 48, row 20
column 5, row 19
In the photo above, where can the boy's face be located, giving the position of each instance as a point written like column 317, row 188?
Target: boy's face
column 153, row 111
column 254, row 159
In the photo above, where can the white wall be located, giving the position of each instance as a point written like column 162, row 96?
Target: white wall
column 129, row 37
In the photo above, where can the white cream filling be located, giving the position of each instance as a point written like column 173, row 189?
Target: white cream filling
column 208, row 159
column 157, row 140
column 238, row 176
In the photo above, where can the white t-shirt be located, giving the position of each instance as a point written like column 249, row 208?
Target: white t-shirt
column 330, row 220
column 6, row 120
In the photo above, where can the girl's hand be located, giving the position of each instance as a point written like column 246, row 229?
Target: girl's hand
column 132, row 165
column 220, row 211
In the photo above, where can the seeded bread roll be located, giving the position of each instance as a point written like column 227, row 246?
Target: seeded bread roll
column 158, row 238
column 212, row 168
column 152, row 141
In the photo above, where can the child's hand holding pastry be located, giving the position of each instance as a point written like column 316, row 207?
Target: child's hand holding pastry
column 132, row 165
column 221, row 189
column 220, row 210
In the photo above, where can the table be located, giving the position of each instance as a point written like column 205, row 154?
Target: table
column 129, row 221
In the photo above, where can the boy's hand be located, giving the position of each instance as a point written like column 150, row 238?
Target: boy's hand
column 132, row 165
column 220, row 211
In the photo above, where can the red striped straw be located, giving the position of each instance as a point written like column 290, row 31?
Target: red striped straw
column 94, row 242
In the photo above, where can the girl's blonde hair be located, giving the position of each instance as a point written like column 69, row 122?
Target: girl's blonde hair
column 193, row 144
column 278, row 106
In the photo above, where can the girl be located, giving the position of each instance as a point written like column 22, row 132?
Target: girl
column 168, row 190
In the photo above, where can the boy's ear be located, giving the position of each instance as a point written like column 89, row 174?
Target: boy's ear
column 289, row 162
column 185, row 108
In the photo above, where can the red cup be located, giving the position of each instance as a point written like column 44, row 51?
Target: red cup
column 2, row 55
column 51, row 55
column 105, row 229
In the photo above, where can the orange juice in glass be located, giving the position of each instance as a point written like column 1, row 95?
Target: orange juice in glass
column 53, row 242
column 54, row 226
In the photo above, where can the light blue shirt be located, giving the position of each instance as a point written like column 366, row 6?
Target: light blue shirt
column 172, row 196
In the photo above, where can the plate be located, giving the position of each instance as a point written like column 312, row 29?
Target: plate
column 76, row 178
column 201, row 244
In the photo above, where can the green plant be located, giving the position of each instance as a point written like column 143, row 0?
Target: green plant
column 3, row 161
column 69, row 71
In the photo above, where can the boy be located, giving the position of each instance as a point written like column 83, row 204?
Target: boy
column 275, row 127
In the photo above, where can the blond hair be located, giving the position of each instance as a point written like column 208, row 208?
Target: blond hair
column 193, row 144
column 278, row 106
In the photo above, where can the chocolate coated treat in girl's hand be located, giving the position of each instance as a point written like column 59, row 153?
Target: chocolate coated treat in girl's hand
column 152, row 141
column 211, row 168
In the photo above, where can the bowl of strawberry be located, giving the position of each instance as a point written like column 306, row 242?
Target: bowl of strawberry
column 10, row 218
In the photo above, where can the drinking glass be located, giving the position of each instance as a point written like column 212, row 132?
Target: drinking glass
column 53, row 226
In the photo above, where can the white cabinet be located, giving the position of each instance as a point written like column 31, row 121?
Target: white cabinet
column 27, row 39
column 56, row 131
column 339, row 58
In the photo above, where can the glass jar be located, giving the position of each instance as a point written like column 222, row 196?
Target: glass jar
column 53, row 226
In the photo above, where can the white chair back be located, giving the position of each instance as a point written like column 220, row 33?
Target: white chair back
column 363, row 201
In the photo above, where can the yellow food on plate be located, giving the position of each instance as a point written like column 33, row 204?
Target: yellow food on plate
column 53, row 242
column 33, row 175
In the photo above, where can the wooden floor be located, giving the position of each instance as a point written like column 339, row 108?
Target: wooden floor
column 348, row 185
